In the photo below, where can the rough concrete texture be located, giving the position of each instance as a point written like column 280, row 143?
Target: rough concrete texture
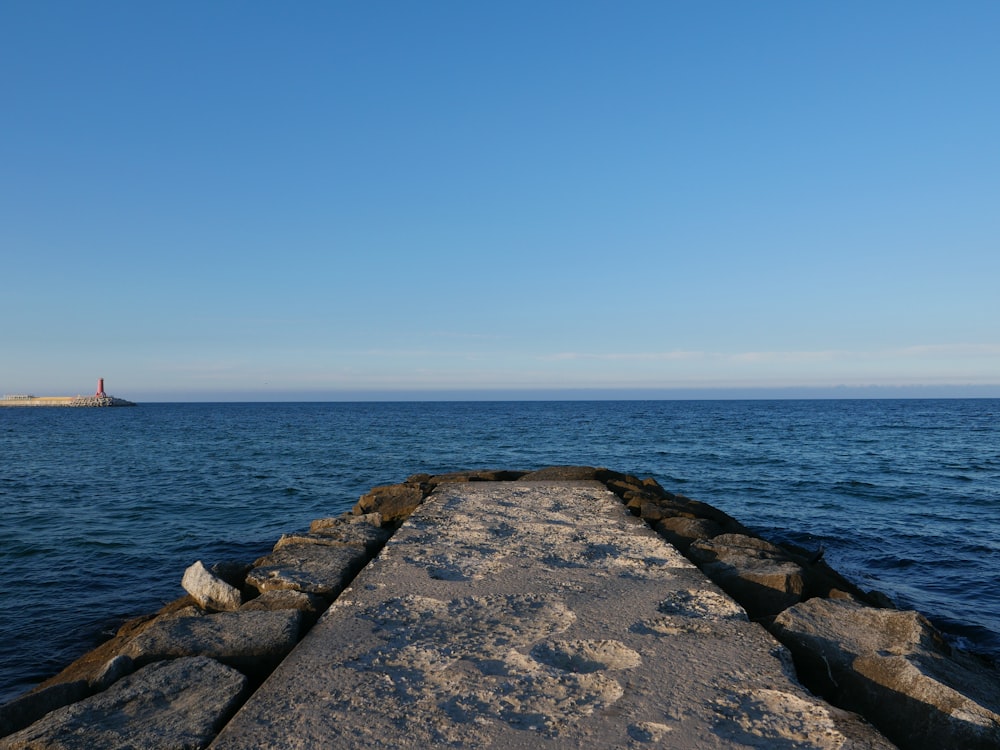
column 171, row 704
column 536, row 614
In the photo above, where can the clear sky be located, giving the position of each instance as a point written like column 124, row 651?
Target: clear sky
column 262, row 200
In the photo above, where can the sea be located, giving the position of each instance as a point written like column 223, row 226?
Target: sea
column 101, row 510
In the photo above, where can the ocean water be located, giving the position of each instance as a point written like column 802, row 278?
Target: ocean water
column 102, row 509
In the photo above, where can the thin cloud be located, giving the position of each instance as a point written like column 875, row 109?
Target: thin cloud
column 934, row 351
column 625, row 356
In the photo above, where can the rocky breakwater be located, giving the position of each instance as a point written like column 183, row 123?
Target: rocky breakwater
column 852, row 647
column 175, row 678
column 172, row 679
column 64, row 401
column 99, row 401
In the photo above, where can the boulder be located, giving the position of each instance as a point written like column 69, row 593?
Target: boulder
column 251, row 641
column 210, row 591
column 682, row 532
column 758, row 574
column 173, row 704
column 895, row 669
column 429, row 482
column 310, row 605
column 561, row 473
column 652, row 511
column 394, row 501
column 321, row 569
column 31, row 707
column 365, row 529
column 233, row 572
column 112, row 671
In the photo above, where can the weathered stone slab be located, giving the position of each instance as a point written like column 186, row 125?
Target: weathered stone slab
column 536, row 614
column 310, row 605
column 172, row 704
column 321, row 569
column 757, row 573
column 32, row 706
column 365, row 529
column 682, row 531
column 252, row 641
column 287, row 599
column 393, row 501
column 210, row 591
column 894, row 667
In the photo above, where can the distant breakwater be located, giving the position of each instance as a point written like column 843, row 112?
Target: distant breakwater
column 65, row 401
column 850, row 646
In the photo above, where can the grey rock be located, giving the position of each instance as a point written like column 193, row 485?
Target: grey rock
column 232, row 572
column 346, row 520
column 252, row 641
column 364, row 529
column 115, row 668
column 758, row 574
column 394, row 501
column 682, row 532
column 175, row 704
column 322, row 569
column 32, row 706
column 210, row 591
column 476, row 475
column 894, row 668
column 561, row 473
column 310, row 605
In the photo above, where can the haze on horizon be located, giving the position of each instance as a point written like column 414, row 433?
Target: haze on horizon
column 344, row 201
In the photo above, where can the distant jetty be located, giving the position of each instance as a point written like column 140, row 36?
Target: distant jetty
column 100, row 398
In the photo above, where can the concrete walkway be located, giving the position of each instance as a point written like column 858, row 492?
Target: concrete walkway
column 536, row 614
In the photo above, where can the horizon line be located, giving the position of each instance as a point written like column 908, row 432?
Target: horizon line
column 708, row 393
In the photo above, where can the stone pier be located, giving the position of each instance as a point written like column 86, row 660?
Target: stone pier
column 566, row 607
column 536, row 614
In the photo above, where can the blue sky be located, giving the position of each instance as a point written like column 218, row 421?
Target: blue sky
column 250, row 200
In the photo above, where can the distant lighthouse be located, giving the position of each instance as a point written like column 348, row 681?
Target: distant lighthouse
column 100, row 389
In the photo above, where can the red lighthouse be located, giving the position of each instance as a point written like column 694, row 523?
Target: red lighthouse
column 100, row 389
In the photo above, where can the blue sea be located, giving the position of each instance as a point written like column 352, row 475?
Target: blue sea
column 103, row 509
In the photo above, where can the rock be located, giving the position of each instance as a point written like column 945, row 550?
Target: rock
column 561, row 473
column 91, row 668
column 210, row 591
column 32, row 706
column 651, row 511
column 310, row 605
column 346, row 521
column 478, row 475
column 364, row 529
column 394, row 501
column 251, row 641
column 629, row 484
column 231, row 571
column 682, row 532
column 322, row 569
column 112, row 671
column 894, row 668
column 173, row 704
column 758, row 574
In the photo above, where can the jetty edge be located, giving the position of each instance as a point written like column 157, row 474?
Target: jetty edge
column 66, row 401
column 215, row 647
column 99, row 399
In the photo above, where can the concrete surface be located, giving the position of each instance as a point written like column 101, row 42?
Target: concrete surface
column 536, row 614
